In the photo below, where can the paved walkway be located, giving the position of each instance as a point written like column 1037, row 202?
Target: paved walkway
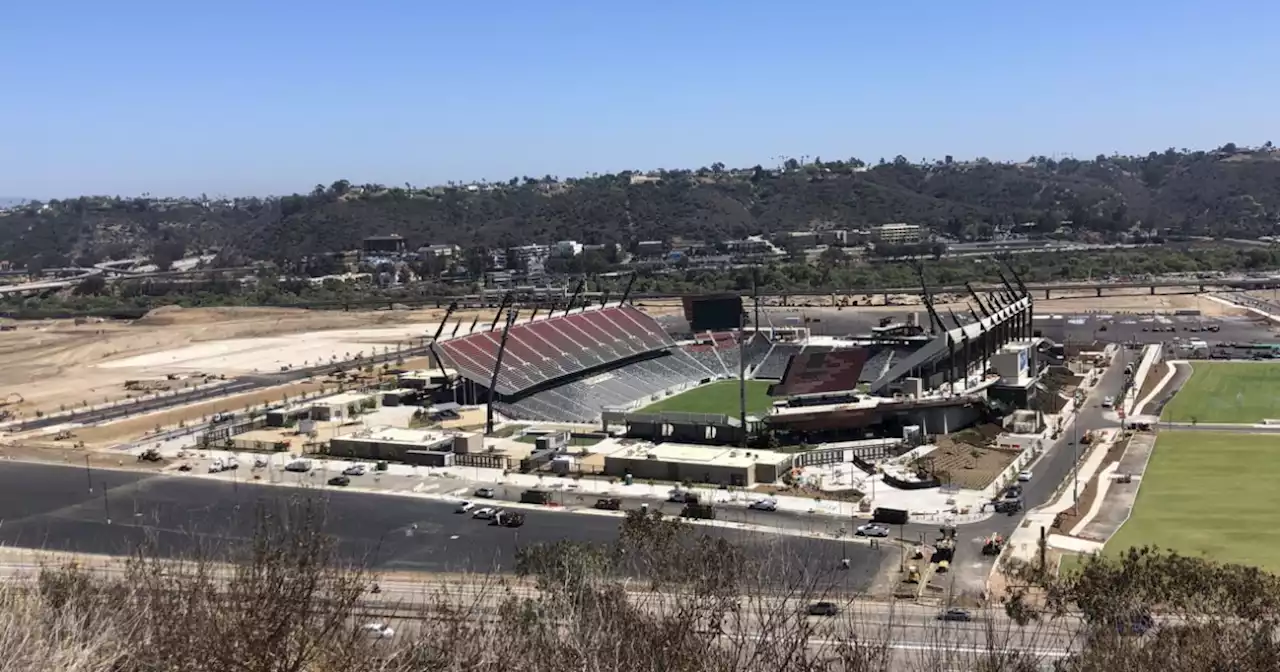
column 1118, row 501
column 1175, row 375
column 1024, row 542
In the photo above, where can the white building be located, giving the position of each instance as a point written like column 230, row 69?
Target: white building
column 568, row 248
column 898, row 233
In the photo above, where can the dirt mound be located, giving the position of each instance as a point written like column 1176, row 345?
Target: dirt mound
column 177, row 315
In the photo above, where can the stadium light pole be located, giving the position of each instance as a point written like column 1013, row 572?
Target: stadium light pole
column 742, row 376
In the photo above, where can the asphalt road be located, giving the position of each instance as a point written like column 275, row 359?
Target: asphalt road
column 1050, row 472
column 52, row 507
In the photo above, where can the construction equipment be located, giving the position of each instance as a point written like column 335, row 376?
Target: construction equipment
column 149, row 455
column 993, row 544
column 63, row 435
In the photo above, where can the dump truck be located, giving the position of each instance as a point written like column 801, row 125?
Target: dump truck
column 890, row 516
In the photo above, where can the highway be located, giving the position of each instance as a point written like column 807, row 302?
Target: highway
column 909, row 632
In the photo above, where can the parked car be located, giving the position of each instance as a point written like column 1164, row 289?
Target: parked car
column 872, row 530
column 764, row 505
column 823, row 609
column 962, row 615
column 1108, row 402
column 221, row 464
column 379, row 630
column 464, row 506
column 355, row 470
column 485, row 493
column 340, row 481
column 486, row 513
column 1024, row 476
column 609, row 504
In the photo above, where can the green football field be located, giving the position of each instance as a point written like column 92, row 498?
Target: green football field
column 1237, row 392
column 1209, row 494
column 718, row 397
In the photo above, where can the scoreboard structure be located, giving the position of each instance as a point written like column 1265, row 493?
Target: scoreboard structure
column 714, row 313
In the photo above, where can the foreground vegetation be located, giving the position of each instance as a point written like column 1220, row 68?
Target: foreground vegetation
column 1231, row 392
column 663, row 597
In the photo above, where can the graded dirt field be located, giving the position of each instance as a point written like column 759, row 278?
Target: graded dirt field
column 48, row 364
column 1210, row 495
column 1231, row 392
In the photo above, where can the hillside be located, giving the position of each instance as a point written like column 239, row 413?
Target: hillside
column 1228, row 192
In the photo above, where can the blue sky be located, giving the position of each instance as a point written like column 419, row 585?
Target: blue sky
column 237, row 97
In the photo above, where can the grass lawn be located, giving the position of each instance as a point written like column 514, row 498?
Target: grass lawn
column 1243, row 392
column 718, row 397
column 1209, row 494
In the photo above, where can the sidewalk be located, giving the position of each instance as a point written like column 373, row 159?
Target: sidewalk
column 1023, row 544
column 1115, row 505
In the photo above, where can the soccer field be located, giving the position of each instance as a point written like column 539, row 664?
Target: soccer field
column 719, row 397
column 1211, row 495
column 1242, row 392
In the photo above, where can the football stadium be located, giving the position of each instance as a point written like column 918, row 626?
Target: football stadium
column 614, row 366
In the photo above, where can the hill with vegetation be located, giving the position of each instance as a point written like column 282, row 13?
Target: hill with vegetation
column 1229, row 192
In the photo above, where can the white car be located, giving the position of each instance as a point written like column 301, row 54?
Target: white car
column 1024, row 476
column 764, row 505
column 486, row 513
column 464, row 507
column 873, row 530
column 1108, row 402
column 355, row 470
column 379, row 630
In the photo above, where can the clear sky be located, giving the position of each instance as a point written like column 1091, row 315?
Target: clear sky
column 179, row 97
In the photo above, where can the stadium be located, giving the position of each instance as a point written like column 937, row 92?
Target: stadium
column 615, row 366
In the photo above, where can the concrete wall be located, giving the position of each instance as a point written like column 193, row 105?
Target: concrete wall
column 362, row 449
column 946, row 419
column 659, row 470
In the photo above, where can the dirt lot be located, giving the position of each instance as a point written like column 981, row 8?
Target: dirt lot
column 54, row 362
column 967, row 466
